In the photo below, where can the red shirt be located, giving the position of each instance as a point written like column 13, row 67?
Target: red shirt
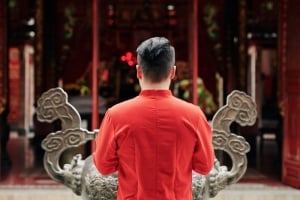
column 154, row 141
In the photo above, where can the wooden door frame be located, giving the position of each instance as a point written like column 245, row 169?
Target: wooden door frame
column 290, row 90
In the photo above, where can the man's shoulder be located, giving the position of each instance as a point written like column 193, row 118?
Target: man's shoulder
column 185, row 104
column 189, row 108
column 123, row 105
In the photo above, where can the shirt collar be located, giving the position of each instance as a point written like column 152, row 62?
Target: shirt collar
column 158, row 93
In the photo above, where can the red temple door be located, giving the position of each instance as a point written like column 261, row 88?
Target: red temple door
column 289, row 61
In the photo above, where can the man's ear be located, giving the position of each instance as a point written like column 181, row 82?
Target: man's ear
column 173, row 72
column 139, row 72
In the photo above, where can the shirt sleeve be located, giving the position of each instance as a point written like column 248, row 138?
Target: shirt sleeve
column 203, row 158
column 105, row 155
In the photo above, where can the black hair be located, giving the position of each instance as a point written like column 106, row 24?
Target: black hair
column 156, row 56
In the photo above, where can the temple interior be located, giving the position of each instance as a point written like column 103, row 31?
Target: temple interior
column 50, row 44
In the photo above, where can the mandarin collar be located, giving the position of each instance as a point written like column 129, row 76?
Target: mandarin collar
column 156, row 93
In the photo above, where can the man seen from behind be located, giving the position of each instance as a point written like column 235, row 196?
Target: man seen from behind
column 155, row 140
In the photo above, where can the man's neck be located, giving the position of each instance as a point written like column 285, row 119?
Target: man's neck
column 165, row 85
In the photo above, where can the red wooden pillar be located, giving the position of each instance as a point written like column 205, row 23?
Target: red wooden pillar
column 39, row 49
column 3, row 57
column 242, row 45
column 95, row 99
column 3, row 86
column 194, row 49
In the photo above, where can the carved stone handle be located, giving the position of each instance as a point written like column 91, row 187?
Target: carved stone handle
column 240, row 108
column 53, row 105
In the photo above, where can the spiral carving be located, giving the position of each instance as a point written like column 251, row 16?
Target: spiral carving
column 73, row 138
column 53, row 143
column 49, row 104
column 219, row 139
column 238, row 145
